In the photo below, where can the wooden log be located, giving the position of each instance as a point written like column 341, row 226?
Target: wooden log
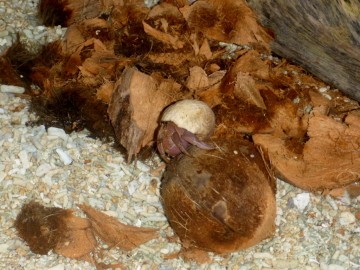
column 322, row 36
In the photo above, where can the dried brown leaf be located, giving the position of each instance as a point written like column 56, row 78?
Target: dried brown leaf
column 115, row 233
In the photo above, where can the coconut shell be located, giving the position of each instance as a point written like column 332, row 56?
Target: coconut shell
column 220, row 200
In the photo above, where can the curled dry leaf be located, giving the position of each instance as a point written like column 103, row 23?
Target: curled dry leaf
column 115, row 233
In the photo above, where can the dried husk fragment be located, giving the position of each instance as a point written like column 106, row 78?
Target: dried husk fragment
column 228, row 21
column 221, row 200
column 206, row 87
column 104, row 92
column 251, row 64
column 11, row 60
column 235, row 116
column 352, row 191
column 328, row 160
column 135, row 108
column 65, row 13
column 165, row 38
column 52, row 228
column 80, row 240
column 115, row 233
column 245, row 89
column 197, row 80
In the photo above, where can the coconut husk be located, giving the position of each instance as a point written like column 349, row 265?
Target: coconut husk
column 52, row 228
column 329, row 159
column 221, row 200
column 135, row 108
column 227, row 21
column 115, row 233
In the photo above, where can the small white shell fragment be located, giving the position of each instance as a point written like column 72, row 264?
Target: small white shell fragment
column 42, row 169
column 57, row 132
column 263, row 255
column 323, row 89
column 2, row 176
column 111, row 213
column 64, row 157
column 142, row 167
column 60, row 266
column 24, row 159
column 193, row 115
column 4, row 99
column 36, row 142
column 4, row 248
column 132, row 187
column 331, row 266
column 346, row 218
column 164, row 251
column 11, row 89
column 301, row 201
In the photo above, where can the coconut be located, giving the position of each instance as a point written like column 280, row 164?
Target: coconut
column 220, row 200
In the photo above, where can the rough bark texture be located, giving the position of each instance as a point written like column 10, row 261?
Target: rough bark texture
column 322, row 36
